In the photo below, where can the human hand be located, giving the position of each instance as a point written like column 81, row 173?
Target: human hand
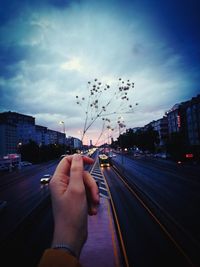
column 74, row 194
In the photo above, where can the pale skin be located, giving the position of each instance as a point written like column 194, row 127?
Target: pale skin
column 74, row 195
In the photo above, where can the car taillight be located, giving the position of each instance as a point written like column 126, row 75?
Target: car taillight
column 189, row 155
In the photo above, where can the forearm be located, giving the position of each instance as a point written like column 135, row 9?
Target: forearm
column 70, row 225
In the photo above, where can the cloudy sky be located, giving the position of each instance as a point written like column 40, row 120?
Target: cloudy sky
column 50, row 49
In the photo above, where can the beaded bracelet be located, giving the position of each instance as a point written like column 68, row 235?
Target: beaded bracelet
column 66, row 248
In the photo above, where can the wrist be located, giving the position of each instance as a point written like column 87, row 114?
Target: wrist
column 67, row 248
column 63, row 234
column 68, row 242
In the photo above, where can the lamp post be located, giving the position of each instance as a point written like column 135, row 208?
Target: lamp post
column 81, row 140
column 121, row 126
column 19, row 145
column 109, row 138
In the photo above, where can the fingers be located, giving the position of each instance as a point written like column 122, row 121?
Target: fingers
column 92, row 192
column 87, row 160
column 70, row 174
column 76, row 172
column 60, row 179
column 64, row 165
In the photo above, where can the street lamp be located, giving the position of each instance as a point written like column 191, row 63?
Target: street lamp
column 121, row 126
column 19, row 145
column 110, row 130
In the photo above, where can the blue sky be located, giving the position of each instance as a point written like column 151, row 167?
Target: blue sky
column 50, row 49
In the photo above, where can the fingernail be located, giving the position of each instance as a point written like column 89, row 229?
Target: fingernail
column 77, row 157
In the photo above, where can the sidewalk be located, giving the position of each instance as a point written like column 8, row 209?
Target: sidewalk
column 102, row 246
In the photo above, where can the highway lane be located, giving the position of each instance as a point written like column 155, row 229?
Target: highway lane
column 27, row 244
column 173, row 195
column 23, row 194
column 174, row 190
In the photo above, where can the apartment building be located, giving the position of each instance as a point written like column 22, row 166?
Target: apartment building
column 8, row 138
column 193, row 121
column 18, row 129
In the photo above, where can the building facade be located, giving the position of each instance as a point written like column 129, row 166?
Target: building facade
column 8, row 138
column 41, row 135
column 25, row 125
column 193, row 121
column 74, row 142
column 161, row 127
column 18, row 129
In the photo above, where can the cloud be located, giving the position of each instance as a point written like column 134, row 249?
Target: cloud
column 50, row 50
column 72, row 64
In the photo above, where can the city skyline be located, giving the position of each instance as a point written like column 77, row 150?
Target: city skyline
column 107, row 139
column 50, row 50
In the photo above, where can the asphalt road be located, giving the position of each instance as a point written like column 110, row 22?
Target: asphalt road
column 23, row 192
column 157, row 207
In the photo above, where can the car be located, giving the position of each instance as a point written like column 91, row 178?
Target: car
column 25, row 163
column 3, row 204
column 104, row 160
column 162, row 155
column 45, row 179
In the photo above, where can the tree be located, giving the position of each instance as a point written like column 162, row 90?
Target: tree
column 143, row 139
column 34, row 153
column 30, row 151
column 176, row 146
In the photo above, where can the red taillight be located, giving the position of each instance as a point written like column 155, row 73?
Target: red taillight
column 190, row 155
